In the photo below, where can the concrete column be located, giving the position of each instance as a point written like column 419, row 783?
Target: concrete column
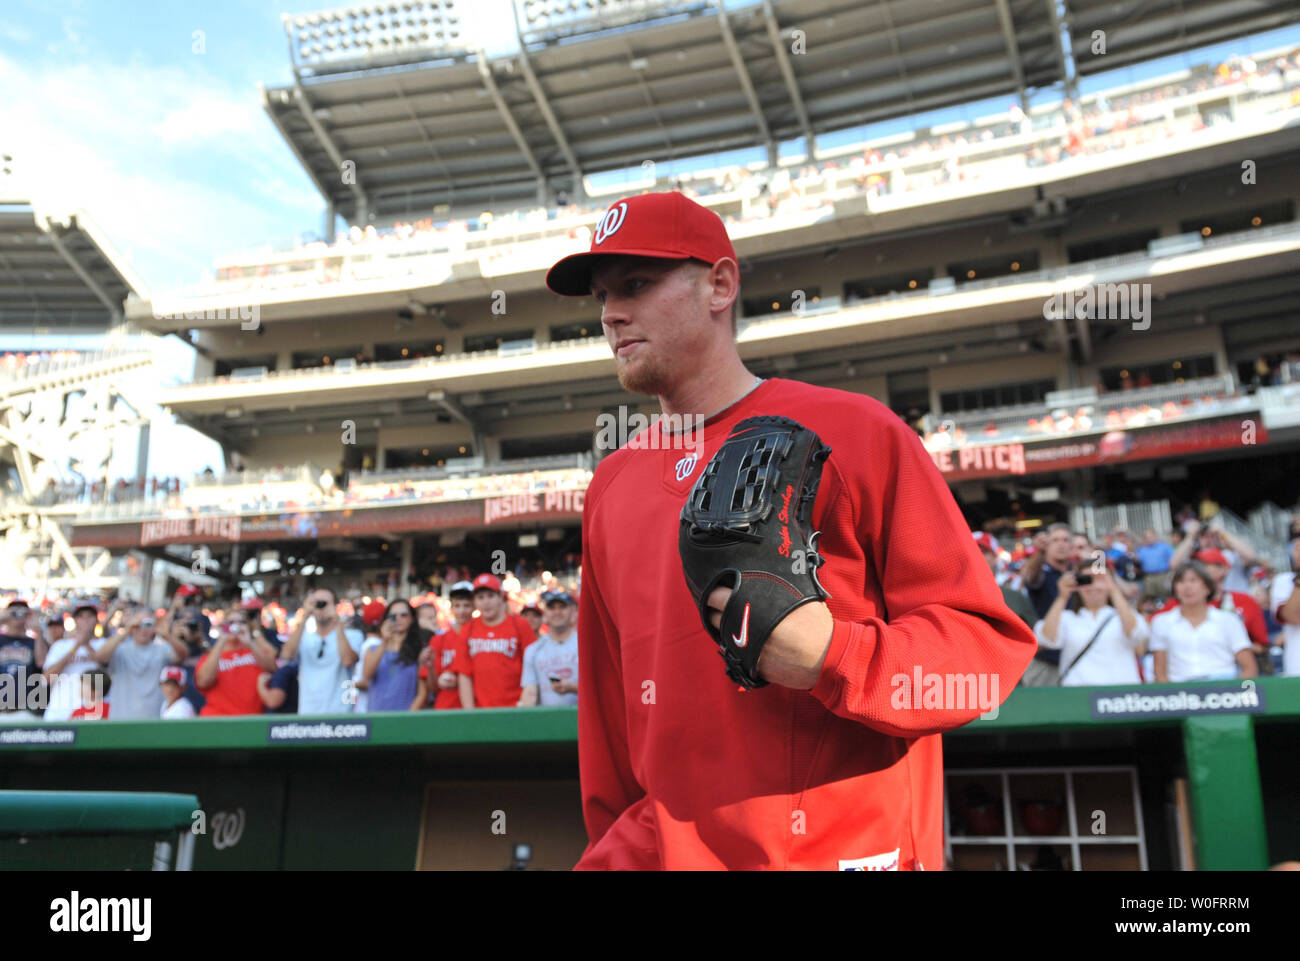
column 330, row 216
column 146, row 576
column 142, row 457
column 404, row 571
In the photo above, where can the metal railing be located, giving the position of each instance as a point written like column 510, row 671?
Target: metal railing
column 82, row 360
column 1266, row 548
column 415, row 475
column 1137, row 517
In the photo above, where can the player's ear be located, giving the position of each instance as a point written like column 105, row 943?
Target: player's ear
column 724, row 287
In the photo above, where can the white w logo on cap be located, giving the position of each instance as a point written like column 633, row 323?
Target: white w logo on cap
column 610, row 223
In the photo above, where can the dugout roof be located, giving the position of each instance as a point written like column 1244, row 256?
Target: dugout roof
column 59, row 271
column 454, row 127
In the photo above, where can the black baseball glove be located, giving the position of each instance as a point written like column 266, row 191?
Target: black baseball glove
column 747, row 525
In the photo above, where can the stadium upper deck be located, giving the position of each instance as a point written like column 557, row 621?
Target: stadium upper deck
column 425, row 120
column 893, row 279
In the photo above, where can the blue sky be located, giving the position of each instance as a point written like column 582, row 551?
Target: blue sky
column 108, row 106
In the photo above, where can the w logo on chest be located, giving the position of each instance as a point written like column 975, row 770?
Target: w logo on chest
column 686, row 466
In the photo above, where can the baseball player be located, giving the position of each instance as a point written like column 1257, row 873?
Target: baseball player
column 804, row 748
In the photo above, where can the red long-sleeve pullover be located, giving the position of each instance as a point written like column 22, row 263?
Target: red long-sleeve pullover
column 680, row 768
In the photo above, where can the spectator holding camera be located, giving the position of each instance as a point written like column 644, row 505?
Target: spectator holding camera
column 1099, row 635
column 67, row 659
column 228, row 673
column 1053, row 556
column 391, row 671
column 326, row 652
column 1196, row 641
column 135, row 657
column 1237, row 553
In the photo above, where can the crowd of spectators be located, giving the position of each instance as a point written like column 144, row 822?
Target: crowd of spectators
column 1094, row 126
column 1199, row 604
column 1062, row 422
column 483, row 643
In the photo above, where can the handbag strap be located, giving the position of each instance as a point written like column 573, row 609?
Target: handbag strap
column 1087, row 647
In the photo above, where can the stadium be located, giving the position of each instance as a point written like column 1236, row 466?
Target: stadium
column 1059, row 239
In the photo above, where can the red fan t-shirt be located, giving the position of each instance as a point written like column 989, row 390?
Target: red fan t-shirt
column 494, row 658
column 235, row 691
column 97, row 713
column 443, row 645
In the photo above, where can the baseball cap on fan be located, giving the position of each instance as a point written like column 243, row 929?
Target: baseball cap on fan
column 667, row 225
column 487, row 582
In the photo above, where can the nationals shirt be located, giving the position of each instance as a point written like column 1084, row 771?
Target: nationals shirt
column 682, row 770
column 235, row 691
column 443, row 645
column 494, row 658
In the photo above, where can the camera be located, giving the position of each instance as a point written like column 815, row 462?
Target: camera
column 1082, row 579
column 321, row 605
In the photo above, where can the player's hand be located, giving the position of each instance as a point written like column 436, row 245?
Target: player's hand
column 564, row 687
column 1040, row 540
column 425, row 658
column 447, row 680
column 794, row 653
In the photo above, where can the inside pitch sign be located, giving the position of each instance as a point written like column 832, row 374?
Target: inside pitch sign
column 1008, row 458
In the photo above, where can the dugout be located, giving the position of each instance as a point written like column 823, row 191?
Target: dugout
column 1217, row 790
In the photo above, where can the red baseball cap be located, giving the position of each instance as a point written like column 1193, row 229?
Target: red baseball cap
column 186, row 590
column 1212, row 557
column 985, row 541
column 668, row 225
column 373, row 612
column 487, row 582
column 174, row 674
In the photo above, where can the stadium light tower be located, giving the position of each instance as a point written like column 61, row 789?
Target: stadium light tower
column 379, row 34
column 548, row 20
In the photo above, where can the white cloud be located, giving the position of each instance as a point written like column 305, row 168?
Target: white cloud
column 169, row 163
column 204, row 118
